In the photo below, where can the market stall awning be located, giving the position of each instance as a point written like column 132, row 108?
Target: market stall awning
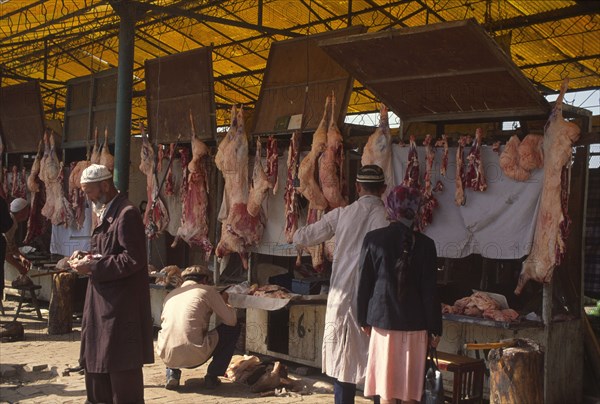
column 440, row 72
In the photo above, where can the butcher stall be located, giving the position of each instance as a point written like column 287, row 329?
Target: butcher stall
column 483, row 202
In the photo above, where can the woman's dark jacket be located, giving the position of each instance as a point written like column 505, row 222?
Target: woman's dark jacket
column 378, row 303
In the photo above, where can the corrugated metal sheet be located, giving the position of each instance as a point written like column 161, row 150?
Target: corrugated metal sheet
column 80, row 37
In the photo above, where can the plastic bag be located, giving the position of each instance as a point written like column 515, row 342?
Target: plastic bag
column 433, row 393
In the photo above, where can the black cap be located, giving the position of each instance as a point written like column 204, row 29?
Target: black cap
column 370, row 173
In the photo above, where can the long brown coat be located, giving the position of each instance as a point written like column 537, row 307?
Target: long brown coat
column 116, row 332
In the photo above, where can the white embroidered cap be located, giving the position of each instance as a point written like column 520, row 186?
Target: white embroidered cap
column 18, row 205
column 95, row 173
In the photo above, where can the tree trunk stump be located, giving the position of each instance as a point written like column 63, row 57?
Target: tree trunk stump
column 60, row 313
column 517, row 373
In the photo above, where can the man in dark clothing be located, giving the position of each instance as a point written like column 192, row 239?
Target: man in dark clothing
column 6, row 223
column 116, row 331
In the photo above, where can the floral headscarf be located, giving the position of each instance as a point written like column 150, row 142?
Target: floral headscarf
column 403, row 203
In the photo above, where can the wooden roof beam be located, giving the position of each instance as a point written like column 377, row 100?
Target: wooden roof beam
column 581, row 8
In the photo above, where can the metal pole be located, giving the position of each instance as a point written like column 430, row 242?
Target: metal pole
column 124, row 95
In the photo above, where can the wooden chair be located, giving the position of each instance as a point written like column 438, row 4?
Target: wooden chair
column 468, row 377
column 22, row 292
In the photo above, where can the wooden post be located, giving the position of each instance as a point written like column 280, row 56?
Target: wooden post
column 60, row 314
column 517, row 373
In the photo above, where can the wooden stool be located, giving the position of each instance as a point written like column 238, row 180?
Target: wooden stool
column 31, row 289
column 468, row 377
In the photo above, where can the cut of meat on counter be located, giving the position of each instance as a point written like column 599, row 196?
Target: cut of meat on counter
column 194, row 218
column 36, row 223
column 260, row 185
column 378, row 150
column 429, row 203
column 272, row 163
column 552, row 223
column 411, row 176
column 272, row 291
column 520, row 158
column 169, row 276
column 459, row 177
column 156, row 217
column 480, row 304
column 291, row 196
column 240, row 230
column 331, row 162
column 57, row 208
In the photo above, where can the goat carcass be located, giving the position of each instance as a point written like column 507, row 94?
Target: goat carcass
column 444, row 144
column 169, row 188
column 330, row 164
column 107, row 159
column 459, row 178
column 156, row 217
column 194, row 218
column 475, row 176
column 291, row 196
column 411, row 176
column 36, row 223
column 57, row 208
column 272, row 163
column 429, row 203
column 378, row 150
column 19, row 184
column 260, row 184
column 95, row 156
column 309, row 187
column 552, row 222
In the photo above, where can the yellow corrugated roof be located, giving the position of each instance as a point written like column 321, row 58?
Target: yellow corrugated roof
column 57, row 40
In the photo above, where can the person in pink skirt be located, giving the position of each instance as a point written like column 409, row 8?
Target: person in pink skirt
column 397, row 302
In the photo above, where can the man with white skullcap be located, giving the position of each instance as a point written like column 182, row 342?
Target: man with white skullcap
column 19, row 212
column 116, row 331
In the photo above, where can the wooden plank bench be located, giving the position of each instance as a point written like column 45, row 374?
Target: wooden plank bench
column 468, row 377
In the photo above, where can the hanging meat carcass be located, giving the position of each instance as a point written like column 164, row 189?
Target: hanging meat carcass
column 531, row 152
column 36, row 223
column 331, row 162
column 428, row 203
column 307, row 172
column 260, row 183
column 19, row 183
column 291, row 196
column 57, row 208
column 443, row 142
column 95, row 156
column 272, row 164
column 194, row 217
column 107, row 159
column 475, row 175
column 169, row 188
column 156, row 216
column 240, row 230
column 378, row 150
column 411, row 176
column 459, row 178
column 552, row 221
column 76, row 194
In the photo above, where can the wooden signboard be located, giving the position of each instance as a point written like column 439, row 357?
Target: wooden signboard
column 298, row 78
column 175, row 85
column 91, row 103
column 21, row 117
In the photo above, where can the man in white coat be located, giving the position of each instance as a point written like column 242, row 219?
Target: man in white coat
column 345, row 347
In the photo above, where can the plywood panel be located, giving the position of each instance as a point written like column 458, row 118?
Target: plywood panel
column 21, row 117
column 302, row 329
column 298, row 78
column 176, row 85
column 439, row 72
